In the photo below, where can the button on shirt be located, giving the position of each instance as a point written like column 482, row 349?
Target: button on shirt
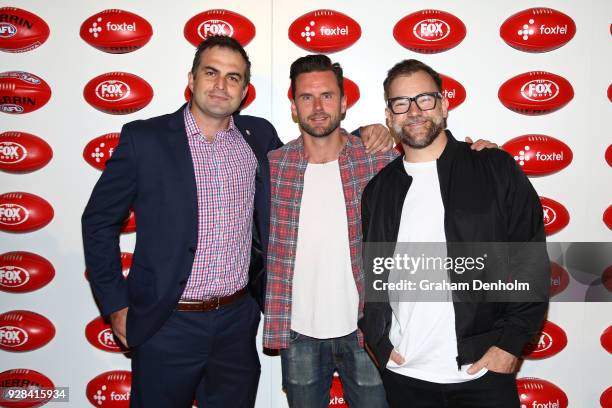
column 225, row 180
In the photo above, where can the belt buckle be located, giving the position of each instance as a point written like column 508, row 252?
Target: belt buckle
column 218, row 303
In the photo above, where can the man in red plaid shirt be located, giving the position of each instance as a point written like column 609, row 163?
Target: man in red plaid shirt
column 315, row 282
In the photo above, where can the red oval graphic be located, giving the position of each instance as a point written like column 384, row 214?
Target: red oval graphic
column 118, row 93
column 116, row 31
column 550, row 340
column 219, row 22
column 556, row 216
column 324, row 31
column 539, row 155
column 536, row 93
column 537, row 29
column 429, row 31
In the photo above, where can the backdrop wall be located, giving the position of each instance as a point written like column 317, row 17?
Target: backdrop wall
column 481, row 63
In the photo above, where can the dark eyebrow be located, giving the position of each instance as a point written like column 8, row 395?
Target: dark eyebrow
column 238, row 74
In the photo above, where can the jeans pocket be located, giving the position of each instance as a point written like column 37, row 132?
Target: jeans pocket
column 294, row 336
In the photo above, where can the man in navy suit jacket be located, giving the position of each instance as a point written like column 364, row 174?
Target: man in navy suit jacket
column 198, row 182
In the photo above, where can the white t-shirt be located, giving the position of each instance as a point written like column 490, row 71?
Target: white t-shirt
column 424, row 332
column 325, row 301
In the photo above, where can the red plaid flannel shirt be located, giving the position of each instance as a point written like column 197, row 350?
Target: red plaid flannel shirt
column 287, row 167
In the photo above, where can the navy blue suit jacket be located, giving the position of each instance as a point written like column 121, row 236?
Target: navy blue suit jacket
column 152, row 172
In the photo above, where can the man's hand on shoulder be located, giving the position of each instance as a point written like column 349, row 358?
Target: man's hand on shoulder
column 118, row 322
column 496, row 360
column 480, row 144
column 376, row 138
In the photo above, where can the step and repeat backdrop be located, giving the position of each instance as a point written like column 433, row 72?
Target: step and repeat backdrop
column 534, row 77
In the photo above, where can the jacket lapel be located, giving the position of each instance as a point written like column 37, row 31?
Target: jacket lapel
column 181, row 156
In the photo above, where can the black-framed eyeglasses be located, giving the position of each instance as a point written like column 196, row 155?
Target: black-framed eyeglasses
column 425, row 101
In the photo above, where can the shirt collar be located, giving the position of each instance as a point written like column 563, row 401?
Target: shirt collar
column 192, row 128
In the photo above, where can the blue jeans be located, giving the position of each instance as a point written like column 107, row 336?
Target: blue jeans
column 308, row 365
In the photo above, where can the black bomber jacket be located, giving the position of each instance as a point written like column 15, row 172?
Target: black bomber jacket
column 487, row 198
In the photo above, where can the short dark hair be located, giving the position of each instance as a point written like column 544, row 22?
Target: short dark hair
column 409, row 67
column 222, row 41
column 315, row 63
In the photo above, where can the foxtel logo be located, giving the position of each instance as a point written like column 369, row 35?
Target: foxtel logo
column 120, row 26
column 11, row 152
column 112, row 90
column 540, row 90
column 431, row 29
column 549, row 404
column 13, row 214
column 11, row 276
column 215, row 27
column 11, row 336
column 115, row 396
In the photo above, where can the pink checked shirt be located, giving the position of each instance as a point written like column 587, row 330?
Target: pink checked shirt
column 225, row 180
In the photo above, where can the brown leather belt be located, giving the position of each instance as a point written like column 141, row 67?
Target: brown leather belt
column 195, row 305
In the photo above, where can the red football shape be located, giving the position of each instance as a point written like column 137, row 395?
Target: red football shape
column 100, row 335
column 110, row 389
column 22, row 330
column 609, row 155
column 537, row 30
column 219, row 22
column 351, row 91
column 549, row 341
column 606, row 278
column 535, row 392
column 118, row 93
column 22, row 152
column 429, row 31
column 453, row 90
column 129, row 225
column 607, row 217
column 610, row 92
column 22, row 92
column 559, row 279
column 606, row 339
column 556, row 217
column 27, row 380
column 20, row 30
column 23, row 212
column 324, row 31
column 535, row 93
column 606, row 398
column 116, row 31
column 126, row 264
column 248, row 99
column 22, row 271
column 336, row 393
column 100, row 149
column 539, row 155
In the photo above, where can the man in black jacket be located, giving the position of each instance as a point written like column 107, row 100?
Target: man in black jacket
column 464, row 352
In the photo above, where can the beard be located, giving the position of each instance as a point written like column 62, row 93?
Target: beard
column 334, row 123
column 423, row 137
